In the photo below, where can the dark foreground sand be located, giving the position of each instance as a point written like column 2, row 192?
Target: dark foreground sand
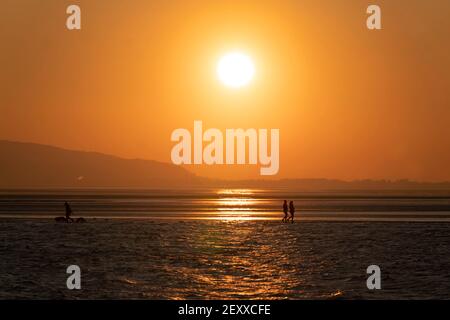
column 148, row 259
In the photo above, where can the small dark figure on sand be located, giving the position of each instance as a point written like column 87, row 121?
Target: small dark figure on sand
column 285, row 210
column 291, row 211
column 68, row 211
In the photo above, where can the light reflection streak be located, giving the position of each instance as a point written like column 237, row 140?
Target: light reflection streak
column 238, row 204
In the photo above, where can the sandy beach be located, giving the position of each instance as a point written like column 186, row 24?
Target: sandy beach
column 151, row 259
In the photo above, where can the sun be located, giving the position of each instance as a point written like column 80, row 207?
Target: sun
column 235, row 69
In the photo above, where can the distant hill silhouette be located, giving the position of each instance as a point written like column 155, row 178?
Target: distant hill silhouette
column 29, row 165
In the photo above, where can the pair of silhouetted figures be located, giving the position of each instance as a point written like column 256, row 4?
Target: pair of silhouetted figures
column 288, row 209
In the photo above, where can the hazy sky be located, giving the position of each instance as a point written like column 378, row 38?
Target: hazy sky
column 350, row 103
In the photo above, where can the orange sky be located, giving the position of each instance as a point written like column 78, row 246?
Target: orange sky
column 350, row 103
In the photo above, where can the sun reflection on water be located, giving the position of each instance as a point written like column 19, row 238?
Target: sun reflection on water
column 237, row 260
column 236, row 191
column 237, row 204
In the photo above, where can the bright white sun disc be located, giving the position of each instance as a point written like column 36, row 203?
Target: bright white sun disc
column 235, row 69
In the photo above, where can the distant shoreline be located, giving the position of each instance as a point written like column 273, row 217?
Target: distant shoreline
column 276, row 217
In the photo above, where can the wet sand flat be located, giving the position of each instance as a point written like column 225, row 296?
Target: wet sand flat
column 219, row 259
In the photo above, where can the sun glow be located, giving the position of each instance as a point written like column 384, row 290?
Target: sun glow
column 235, row 69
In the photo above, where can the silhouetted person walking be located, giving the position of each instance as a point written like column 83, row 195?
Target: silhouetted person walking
column 285, row 210
column 291, row 211
column 68, row 211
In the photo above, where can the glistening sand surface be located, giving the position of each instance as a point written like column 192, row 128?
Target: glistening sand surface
column 223, row 259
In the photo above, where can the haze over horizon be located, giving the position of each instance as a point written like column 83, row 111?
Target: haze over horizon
column 31, row 165
column 350, row 103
